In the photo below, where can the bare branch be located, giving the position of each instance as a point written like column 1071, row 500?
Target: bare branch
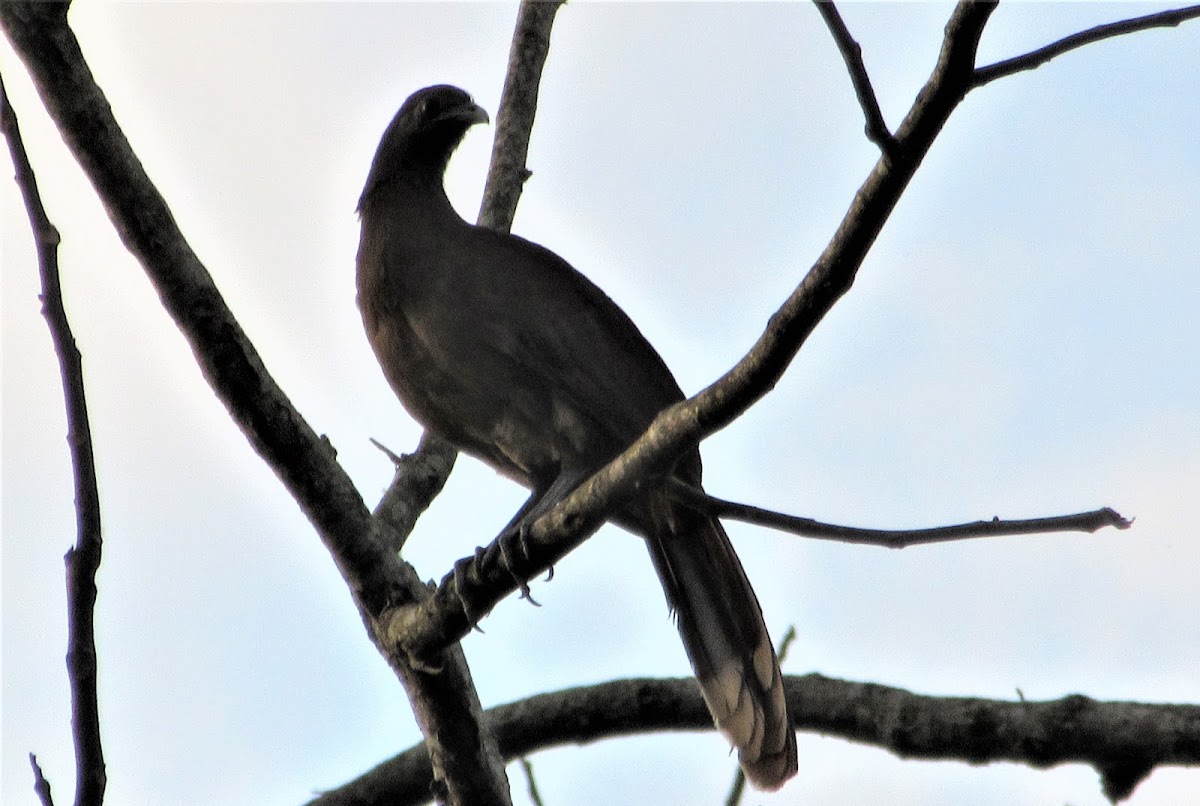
column 40, row 785
column 876, row 127
column 419, row 478
column 83, row 559
column 518, row 106
column 232, row 366
column 1124, row 741
column 1035, row 59
column 891, row 538
column 535, row 797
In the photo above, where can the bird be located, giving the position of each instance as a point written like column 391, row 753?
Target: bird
column 502, row 348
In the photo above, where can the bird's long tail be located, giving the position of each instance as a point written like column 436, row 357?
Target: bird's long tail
column 726, row 640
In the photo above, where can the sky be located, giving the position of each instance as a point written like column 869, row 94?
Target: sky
column 1021, row 342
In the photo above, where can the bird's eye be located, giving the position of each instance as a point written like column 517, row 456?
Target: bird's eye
column 430, row 108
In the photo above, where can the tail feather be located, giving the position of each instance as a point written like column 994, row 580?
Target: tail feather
column 722, row 627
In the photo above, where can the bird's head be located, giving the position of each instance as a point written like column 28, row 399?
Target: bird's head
column 421, row 137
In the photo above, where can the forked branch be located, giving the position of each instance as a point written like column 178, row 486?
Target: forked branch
column 875, row 127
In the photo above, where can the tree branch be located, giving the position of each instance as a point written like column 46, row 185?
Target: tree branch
column 41, row 786
column 514, row 119
column 891, row 538
column 228, row 360
column 1123, row 741
column 1035, row 59
column 875, row 127
column 419, row 478
column 83, row 559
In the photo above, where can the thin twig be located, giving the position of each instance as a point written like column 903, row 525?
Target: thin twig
column 1036, row 58
column 40, row 785
column 83, row 559
column 876, row 127
column 534, row 795
column 785, row 644
column 891, row 538
column 737, row 790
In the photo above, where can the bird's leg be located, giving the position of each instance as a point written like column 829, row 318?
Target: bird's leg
column 504, row 543
column 467, row 571
column 513, row 541
column 514, row 532
column 466, row 575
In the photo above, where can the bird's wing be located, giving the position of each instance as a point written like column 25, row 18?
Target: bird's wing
column 536, row 322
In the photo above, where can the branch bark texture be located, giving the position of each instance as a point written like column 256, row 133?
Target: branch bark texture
column 1123, row 741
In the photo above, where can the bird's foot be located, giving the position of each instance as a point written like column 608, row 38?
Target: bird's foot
column 466, row 578
column 512, row 541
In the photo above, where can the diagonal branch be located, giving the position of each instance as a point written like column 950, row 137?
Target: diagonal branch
column 1035, row 59
column 83, row 559
column 225, row 355
column 1124, row 741
column 876, row 127
column 514, row 119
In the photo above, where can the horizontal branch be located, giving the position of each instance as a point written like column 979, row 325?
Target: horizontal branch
column 891, row 538
column 1036, row 58
column 1123, row 741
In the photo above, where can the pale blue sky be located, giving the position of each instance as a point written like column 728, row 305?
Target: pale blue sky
column 1022, row 341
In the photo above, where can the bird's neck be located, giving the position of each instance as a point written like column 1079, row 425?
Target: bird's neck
column 417, row 194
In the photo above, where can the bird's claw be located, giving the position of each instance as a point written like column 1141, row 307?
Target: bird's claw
column 506, row 543
column 466, row 574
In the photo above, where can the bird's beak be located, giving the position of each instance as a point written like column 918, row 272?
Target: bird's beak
column 471, row 114
column 479, row 114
